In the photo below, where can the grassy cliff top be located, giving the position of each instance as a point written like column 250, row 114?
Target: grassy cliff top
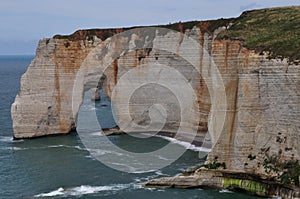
column 276, row 30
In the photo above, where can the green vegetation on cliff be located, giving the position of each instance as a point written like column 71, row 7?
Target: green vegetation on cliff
column 276, row 30
column 286, row 172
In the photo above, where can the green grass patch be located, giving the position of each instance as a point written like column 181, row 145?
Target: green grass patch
column 276, row 30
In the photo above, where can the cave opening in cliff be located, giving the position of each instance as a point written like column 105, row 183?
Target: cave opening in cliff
column 95, row 100
column 146, row 96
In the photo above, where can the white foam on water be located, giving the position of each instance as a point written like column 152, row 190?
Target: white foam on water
column 162, row 158
column 65, row 146
column 156, row 174
column 57, row 192
column 13, row 148
column 79, row 148
column 142, row 171
column 99, row 133
column 18, row 148
column 225, row 191
column 6, row 139
column 90, row 157
column 57, row 146
column 38, row 148
column 186, row 145
column 131, row 169
column 9, row 139
column 159, row 173
column 86, row 189
column 83, row 190
column 150, row 189
column 53, row 146
column 101, row 152
column 44, row 147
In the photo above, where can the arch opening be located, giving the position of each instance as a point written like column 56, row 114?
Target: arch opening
column 133, row 59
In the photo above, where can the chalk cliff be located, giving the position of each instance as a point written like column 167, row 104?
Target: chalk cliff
column 260, row 131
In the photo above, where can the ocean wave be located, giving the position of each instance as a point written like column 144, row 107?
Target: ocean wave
column 159, row 173
column 91, row 157
column 13, row 148
column 156, row 174
column 131, row 169
column 60, row 146
column 65, row 146
column 225, row 191
column 86, row 189
column 57, row 192
column 101, row 152
column 45, row 147
column 99, row 133
column 186, row 145
column 9, row 139
column 162, row 158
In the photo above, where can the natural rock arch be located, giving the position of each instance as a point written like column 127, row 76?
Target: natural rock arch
column 254, row 110
column 128, row 50
column 51, row 112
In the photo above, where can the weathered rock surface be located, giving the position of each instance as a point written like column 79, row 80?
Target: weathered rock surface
column 43, row 105
column 70, row 67
column 262, row 96
column 227, row 180
column 95, row 95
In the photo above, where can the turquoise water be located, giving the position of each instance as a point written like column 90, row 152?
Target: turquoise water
column 61, row 167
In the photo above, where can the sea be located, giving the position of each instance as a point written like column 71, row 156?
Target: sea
column 63, row 167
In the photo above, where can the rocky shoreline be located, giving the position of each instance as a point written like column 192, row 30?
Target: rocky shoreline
column 201, row 177
column 229, row 180
column 247, row 92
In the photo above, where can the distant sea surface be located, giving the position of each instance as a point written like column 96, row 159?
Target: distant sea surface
column 61, row 167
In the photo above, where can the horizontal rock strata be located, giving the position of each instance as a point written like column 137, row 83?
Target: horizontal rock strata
column 252, row 116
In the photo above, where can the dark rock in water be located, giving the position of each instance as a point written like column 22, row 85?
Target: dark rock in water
column 112, row 131
column 104, row 105
column 95, row 95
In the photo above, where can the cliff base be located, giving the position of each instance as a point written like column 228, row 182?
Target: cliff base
column 221, row 179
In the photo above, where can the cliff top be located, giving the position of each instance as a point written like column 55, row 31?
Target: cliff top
column 106, row 33
column 276, row 30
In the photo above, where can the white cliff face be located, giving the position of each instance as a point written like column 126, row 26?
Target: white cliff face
column 29, row 112
column 42, row 106
column 263, row 106
column 255, row 111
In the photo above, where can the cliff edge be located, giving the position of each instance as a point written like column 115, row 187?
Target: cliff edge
column 257, row 55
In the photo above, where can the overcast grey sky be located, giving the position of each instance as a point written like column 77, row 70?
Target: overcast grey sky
column 24, row 22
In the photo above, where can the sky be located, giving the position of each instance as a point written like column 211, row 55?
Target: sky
column 24, row 22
